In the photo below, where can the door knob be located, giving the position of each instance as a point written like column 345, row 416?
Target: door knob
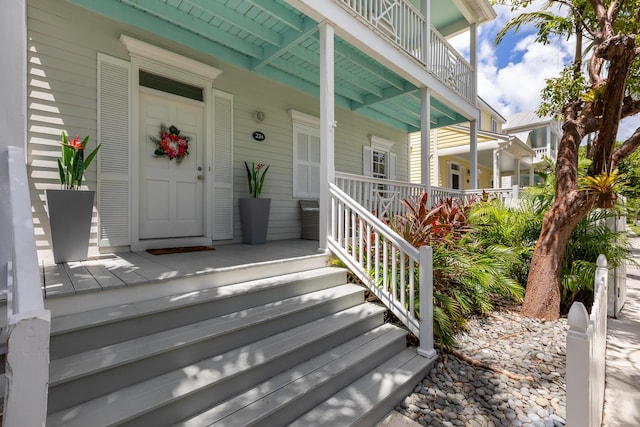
column 200, row 177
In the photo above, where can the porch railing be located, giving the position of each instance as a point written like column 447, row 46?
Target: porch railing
column 28, row 323
column 396, row 272
column 586, row 347
column 384, row 197
column 404, row 25
column 450, row 67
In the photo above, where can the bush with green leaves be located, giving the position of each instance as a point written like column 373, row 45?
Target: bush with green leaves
column 466, row 274
column 519, row 227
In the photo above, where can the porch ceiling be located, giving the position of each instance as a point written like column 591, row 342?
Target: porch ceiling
column 273, row 39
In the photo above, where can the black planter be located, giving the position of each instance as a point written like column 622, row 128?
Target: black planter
column 70, row 222
column 254, row 216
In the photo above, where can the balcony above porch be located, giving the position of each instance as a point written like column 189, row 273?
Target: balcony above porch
column 280, row 40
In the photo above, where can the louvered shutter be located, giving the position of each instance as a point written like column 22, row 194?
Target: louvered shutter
column 222, row 165
column 367, row 160
column 113, row 195
column 393, row 160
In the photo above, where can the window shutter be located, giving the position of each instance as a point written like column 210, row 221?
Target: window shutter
column 367, row 160
column 222, row 165
column 393, row 159
column 114, row 177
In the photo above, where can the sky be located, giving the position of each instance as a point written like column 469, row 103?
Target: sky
column 512, row 75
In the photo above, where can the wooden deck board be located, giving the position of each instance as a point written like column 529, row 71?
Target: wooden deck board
column 57, row 282
column 104, row 277
column 150, row 269
column 81, row 279
column 123, row 270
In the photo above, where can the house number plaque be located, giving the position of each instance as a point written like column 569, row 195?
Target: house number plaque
column 259, row 136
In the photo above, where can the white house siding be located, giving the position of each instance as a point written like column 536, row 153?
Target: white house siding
column 63, row 44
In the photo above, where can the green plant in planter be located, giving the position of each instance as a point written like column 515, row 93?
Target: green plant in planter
column 72, row 164
column 255, row 177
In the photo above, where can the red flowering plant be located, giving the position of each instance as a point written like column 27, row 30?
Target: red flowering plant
column 171, row 143
column 255, row 177
column 72, row 164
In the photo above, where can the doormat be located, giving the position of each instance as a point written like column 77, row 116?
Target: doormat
column 167, row 251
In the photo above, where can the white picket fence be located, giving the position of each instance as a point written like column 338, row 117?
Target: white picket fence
column 28, row 323
column 586, row 348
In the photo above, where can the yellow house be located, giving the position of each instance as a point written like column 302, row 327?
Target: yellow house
column 508, row 151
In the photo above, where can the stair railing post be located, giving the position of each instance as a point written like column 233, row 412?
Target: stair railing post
column 426, row 303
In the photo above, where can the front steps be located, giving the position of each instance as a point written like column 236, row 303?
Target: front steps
column 261, row 352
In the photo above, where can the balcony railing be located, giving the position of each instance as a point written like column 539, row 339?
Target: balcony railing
column 545, row 151
column 450, row 67
column 403, row 24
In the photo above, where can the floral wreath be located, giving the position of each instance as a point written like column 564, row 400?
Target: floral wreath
column 171, row 143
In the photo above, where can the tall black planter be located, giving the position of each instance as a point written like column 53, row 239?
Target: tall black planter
column 254, row 216
column 70, row 222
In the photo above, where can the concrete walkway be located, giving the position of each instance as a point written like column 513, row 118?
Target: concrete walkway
column 622, row 391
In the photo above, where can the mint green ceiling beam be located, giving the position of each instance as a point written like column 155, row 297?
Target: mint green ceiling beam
column 238, row 20
column 387, row 95
column 147, row 22
column 340, row 73
column 198, row 26
column 280, row 12
column 312, row 77
column 348, row 53
column 291, row 39
column 305, row 86
column 396, row 114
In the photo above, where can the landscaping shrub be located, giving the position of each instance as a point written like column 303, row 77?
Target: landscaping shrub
column 466, row 273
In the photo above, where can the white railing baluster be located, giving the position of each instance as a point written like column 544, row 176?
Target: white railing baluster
column 396, row 265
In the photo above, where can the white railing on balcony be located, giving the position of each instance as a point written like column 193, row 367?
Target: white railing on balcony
column 28, row 323
column 450, row 67
column 398, row 20
column 545, row 151
column 404, row 25
column 586, row 347
column 396, row 272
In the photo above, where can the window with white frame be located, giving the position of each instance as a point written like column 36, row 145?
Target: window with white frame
column 455, row 175
column 494, row 125
column 306, row 155
column 377, row 159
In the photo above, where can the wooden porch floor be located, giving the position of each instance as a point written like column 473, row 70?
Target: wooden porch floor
column 136, row 268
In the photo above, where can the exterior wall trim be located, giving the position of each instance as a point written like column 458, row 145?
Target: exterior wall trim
column 154, row 53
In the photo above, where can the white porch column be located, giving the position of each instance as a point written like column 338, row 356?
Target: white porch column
column 473, row 135
column 473, row 155
column 531, row 174
column 516, row 163
column 425, row 9
column 13, row 110
column 496, row 168
column 327, row 126
column 425, row 136
column 435, row 158
column 549, row 141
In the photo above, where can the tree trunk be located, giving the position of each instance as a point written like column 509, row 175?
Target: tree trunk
column 542, row 299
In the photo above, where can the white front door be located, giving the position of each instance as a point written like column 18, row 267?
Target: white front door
column 171, row 192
